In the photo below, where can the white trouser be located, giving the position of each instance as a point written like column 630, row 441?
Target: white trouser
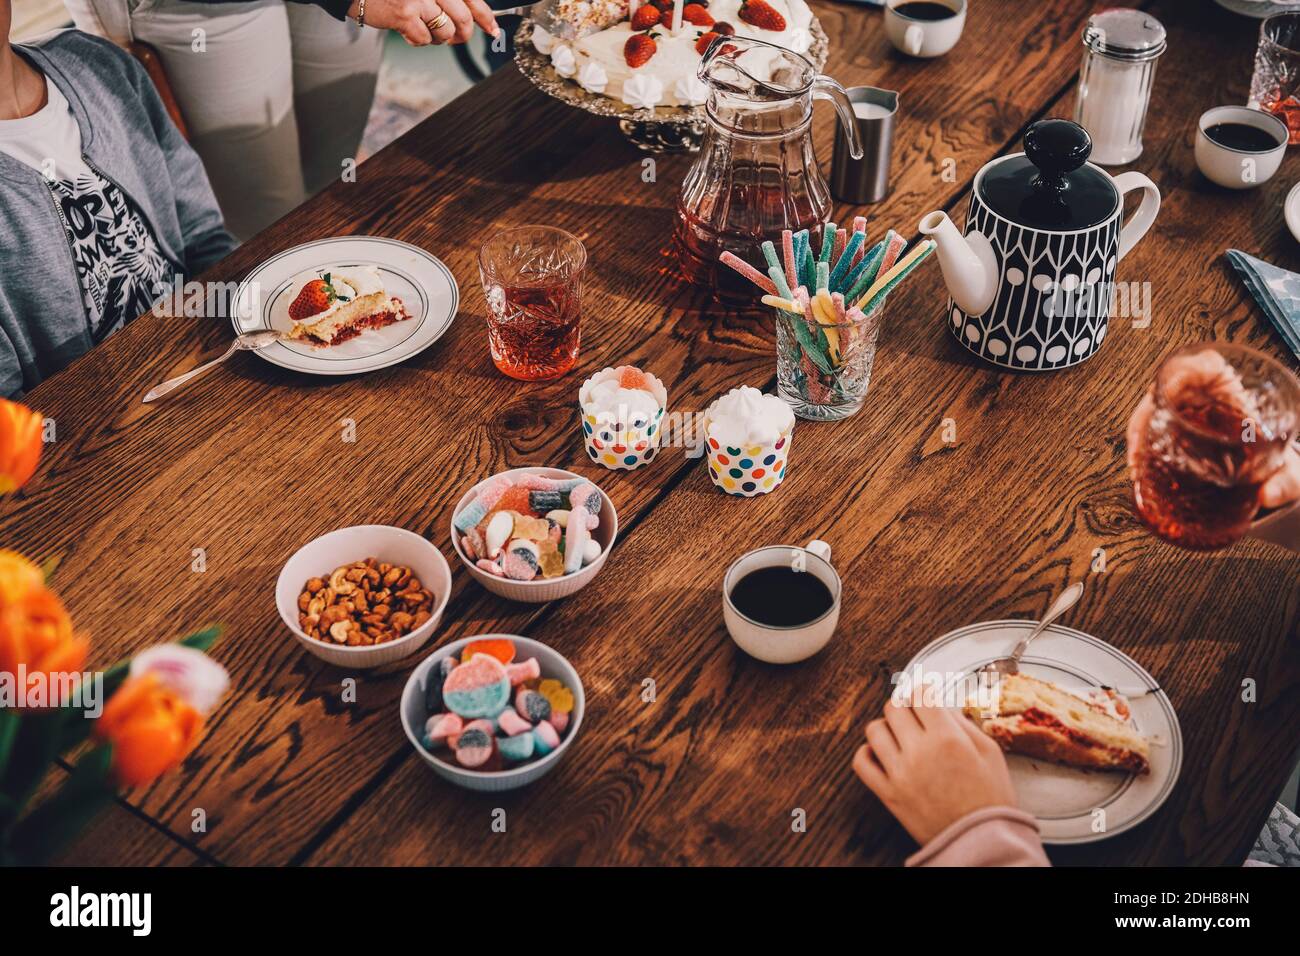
column 275, row 95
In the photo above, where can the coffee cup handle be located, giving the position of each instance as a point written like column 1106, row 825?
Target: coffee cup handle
column 1141, row 220
column 913, row 39
column 819, row 548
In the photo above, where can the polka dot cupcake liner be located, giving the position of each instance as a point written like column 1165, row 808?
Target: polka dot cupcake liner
column 751, row 470
column 616, row 444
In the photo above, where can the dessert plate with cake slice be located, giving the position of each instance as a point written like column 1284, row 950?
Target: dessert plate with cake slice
column 348, row 305
column 1086, row 728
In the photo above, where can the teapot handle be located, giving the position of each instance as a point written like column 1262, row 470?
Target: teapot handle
column 825, row 88
column 1141, row 220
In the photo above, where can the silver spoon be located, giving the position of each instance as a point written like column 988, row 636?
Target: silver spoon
column 249, row 340
column 1011, row 665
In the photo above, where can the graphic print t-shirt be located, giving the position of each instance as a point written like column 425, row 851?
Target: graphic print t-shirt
column 119, row 265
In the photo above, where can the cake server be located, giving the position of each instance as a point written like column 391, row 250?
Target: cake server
column 249, row 340
column 544, row 15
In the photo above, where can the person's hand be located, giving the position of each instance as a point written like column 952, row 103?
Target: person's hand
column 930, row 766
column 411, row 18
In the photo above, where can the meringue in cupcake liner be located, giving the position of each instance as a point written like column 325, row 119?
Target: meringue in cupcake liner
column 622, row 411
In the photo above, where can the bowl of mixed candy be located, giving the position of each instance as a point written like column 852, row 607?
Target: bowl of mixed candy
column 534, row 534
column 493, row 712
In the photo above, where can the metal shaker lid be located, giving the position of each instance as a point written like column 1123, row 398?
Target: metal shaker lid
column 1121, row 34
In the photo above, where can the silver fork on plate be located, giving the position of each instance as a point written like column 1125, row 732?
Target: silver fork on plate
column 245, row 342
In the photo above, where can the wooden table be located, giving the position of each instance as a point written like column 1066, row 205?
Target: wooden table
column 929, row 535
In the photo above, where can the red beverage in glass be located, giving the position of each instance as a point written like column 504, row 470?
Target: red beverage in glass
column 1222, row 418
column 532, row 280
column 538, row 333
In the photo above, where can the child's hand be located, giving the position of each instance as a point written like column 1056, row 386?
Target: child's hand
column 930, row 766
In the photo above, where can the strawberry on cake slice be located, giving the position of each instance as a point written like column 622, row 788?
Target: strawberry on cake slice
column 333, row 305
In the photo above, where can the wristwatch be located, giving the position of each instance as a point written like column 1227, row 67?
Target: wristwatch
column 361, row 13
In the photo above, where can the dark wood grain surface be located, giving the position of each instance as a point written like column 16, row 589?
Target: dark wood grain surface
column 249, row 464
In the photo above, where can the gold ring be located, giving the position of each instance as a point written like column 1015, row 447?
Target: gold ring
column 438, row 22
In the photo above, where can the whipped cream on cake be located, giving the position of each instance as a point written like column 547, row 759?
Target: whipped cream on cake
column 331, row 305
column 640, row 61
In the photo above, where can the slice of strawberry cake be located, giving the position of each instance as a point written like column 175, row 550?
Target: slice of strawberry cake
column 332, row 305
column 642, row 62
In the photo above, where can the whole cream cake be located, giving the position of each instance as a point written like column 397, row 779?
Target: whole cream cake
column 647, row 67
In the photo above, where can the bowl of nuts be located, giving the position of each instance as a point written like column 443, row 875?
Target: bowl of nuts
column 364, row 596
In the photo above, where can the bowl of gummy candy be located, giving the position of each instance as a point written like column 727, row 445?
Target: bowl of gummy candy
column 534, row 534
column 492, row 712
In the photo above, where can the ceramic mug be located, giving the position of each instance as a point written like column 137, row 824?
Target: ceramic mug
column 1239, row 168
column 782, row 645
column 924, row 38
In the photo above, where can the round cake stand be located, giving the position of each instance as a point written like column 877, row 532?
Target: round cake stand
column 666, row 129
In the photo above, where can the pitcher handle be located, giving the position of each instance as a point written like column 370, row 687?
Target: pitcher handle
column 825, row 88
column 1145, row 214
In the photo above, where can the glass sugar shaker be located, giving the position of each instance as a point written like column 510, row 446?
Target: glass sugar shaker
column 1119, row 66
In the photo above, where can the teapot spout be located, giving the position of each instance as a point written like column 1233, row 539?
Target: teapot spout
column 970, row 268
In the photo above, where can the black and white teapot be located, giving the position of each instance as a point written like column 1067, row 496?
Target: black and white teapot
column 1033, row 279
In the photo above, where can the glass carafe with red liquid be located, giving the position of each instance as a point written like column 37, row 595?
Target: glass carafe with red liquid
column 756, row 173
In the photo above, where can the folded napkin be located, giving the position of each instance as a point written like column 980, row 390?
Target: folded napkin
column 1276, row 290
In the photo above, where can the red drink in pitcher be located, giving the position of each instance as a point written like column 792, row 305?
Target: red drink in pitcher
column 699, row 242
column 1223, row 416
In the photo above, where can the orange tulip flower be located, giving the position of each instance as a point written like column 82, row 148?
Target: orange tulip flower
column 20, row 444
column 152, row 729
column 35, row 630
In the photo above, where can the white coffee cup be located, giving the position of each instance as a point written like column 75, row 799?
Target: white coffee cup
column 783, row 645
column 924, row 38
column 1236, row 168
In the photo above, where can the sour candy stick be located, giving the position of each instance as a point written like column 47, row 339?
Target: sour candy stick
column 779, row 280
column 846, row 261
column 893, row 251
column 823, row 275
column 864, row 273
column 748, row 271
column 787, row 251
column 886, row 283
column 785, row 305
column 841, row 239
column 859, row 223
column 828, row 242
column 769, row 253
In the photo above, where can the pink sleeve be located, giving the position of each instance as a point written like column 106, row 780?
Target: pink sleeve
column 994, row 836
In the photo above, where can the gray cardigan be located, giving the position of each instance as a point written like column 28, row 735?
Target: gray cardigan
column 127, row 134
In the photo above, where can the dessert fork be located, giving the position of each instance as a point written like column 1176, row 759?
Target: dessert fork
column 1011, row 664
column 248, row 340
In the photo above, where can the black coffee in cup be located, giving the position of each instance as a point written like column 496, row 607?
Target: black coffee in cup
column 780, row 596
column 925, row 10
column 1243, row 137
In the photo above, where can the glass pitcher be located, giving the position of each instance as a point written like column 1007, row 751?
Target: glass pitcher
column 756, row 173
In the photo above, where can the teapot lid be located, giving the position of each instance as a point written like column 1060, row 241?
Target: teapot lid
column 1050, row 186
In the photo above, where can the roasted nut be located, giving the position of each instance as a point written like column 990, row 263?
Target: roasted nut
column 363, row 603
